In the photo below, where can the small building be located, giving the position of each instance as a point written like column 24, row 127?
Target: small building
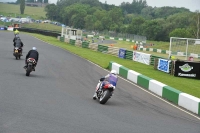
column 70, row 33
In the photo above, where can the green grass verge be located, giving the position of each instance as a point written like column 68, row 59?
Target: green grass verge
column 5, row 24
column 127, row 45
column 190, row 86
column 14, row 10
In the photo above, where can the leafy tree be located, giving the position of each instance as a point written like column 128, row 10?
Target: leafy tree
column 99, row 14
column 163, row 12
column 147, row 12
column 74, row 15
column 135, row 7
column 22, row 6
column 98, row 25
column 195, row 25
column 180, row 32
column 151, row 29
column 136, row 25
column 106, row 22
column 51, row 10
column 89, row 22
column 117, row 16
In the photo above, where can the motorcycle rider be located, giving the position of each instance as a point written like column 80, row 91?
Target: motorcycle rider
column 32, row 54
column 18, row 43
column 16, row 32
column 112, row 78
column 15, row 38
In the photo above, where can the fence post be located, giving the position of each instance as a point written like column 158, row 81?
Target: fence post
column 155, row 63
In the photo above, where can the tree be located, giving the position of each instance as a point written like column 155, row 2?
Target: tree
column 89, row 22
column 74, row 15
column 51, row 10
column 147, row 12
column 117, row 16
column 151, row 29
column 98, row 25
column 136, row 25
column 195, row 25
column 22, row 6
column 180, row 32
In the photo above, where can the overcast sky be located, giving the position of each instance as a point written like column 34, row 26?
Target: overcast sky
column 190, row 4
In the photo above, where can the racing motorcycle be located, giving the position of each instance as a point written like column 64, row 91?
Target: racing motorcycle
column 105, row 93
column 31, row 65
column 17, row 52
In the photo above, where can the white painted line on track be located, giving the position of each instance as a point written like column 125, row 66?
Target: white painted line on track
column 132, row 84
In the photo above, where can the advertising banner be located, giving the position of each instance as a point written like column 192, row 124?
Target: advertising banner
column 163, row 65
column 10, row 28
column 142, row 57
column 187, row 69
column 1, row 28
column 122, row 53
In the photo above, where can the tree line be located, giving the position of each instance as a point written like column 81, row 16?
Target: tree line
column 156, row 23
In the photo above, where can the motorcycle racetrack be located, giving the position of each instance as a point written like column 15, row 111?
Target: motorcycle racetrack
column 57, row 97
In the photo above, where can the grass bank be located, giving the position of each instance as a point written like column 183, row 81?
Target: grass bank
column 14, row 10
column 190, row 86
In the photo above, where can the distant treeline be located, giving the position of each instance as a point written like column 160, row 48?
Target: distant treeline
column 133, row 18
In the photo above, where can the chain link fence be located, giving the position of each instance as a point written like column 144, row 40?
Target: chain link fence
column 124, row 36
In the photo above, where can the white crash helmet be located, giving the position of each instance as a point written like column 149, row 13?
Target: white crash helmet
column 113, row 72
column 34, row 48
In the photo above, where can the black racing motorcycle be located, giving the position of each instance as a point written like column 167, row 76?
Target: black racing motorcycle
column 31, row 65
column 17, row 53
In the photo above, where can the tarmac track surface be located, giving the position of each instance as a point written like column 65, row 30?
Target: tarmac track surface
column 57, row 97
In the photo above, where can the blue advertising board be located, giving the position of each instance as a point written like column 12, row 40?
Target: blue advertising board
column 122, row 53
column 163, row 65
column 1, row 28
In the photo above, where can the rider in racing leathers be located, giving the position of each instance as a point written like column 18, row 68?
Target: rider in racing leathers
column 18, row 43
column 112, row 78
column 32, row 54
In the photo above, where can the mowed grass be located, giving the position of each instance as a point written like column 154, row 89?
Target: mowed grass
column 161, row 45
column 44, row 26
column 190, row 86
column 127, row 45
column 14, row 10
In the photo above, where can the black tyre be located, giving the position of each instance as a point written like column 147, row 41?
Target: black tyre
column 105, row 96
column 28, row 71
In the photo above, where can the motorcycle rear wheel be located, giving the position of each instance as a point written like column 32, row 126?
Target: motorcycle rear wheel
column 105, row 96
column 28, row 71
